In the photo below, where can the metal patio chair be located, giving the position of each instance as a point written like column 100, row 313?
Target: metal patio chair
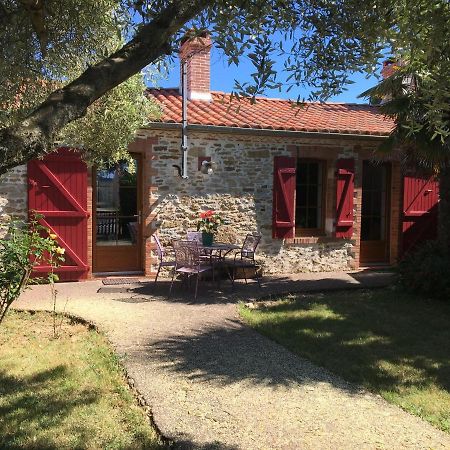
column 194, row 236
column 205, row 254
column 244, row 258
column 161, row 257
column 188, row 262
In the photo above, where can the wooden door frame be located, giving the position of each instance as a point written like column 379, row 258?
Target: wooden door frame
column 388, row 215
column 140, row 238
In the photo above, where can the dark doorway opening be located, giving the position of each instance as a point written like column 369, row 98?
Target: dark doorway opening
column 375, row 207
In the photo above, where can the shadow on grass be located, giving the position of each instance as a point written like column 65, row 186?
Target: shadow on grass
column 384, row 339
column 31, row 404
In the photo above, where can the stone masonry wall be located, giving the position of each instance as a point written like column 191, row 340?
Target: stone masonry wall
column 241, row 190
column 13, row 194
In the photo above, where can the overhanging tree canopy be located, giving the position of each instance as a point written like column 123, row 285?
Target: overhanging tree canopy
column 320, row 41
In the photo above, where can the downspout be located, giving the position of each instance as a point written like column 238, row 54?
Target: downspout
column 184, row 120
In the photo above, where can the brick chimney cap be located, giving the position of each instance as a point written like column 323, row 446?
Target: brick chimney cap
column 193, row 36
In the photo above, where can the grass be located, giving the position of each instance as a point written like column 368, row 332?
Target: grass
column 392, row 343
column 68, row 392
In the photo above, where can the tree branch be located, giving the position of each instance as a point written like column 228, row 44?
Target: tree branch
column 36, row 12
column 35, row 135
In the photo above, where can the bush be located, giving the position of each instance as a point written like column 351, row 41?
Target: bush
column 22, row 246
column 426, row 271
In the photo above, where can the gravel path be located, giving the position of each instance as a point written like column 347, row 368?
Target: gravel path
column 212, row 382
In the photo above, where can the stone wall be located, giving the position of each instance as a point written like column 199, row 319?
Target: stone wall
column 13, row 194
column 241, row 190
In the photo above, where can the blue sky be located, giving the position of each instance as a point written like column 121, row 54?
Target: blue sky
column 223, row 76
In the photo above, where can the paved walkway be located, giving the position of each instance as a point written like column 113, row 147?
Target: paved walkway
column 214, row 383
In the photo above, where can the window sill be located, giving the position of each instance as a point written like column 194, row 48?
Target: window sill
column 312, row 240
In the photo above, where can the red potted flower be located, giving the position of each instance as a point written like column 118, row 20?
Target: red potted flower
column 208, row 224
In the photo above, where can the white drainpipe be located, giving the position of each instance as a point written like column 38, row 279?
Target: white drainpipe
column 184, row 120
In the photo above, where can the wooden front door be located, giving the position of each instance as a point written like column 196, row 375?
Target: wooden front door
column 57, row 194
column 420, row 210
column 117, row 219
column 375, row 213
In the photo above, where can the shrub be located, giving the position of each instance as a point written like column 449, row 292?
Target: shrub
column 22, row 246
column 427, row 271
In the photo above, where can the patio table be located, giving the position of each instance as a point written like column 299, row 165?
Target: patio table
column 217, row 253
column 221, row 248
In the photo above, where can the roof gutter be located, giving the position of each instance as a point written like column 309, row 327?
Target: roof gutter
column 263, row 131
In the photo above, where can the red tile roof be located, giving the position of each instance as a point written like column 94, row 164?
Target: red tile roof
column 275, row 114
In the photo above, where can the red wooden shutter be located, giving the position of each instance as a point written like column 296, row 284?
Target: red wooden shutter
column 420, row 210
column 284, row 181
column 344, row 197
column 57, row 190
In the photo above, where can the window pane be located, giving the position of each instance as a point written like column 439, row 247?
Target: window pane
column 377, row 178
column 302, row 196
column 309, row 194
column 313, row 196
column 373, row 208
column 377, row 200
column 302, row 173
column 312, row 218
column 116, row 207
column 365, row 228
column 375, row 232
column 366, row 206
column 301, row 218
column 313, row 173
column 107, row 189
column 128, row 201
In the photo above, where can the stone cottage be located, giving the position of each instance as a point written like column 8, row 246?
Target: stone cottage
column 305, row 177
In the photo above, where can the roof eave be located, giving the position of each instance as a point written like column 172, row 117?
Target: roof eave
column 262, row 131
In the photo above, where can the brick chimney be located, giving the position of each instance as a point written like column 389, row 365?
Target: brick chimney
column 389, row 68
column 196, row 51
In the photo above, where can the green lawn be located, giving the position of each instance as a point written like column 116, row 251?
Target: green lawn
column 390, row 342
column 68, row 392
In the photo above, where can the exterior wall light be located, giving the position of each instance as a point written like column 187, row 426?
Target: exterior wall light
column 207, row 167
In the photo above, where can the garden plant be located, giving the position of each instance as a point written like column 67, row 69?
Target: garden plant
column 23, row 245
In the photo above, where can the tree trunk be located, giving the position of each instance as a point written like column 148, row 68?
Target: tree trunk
column 35, row 135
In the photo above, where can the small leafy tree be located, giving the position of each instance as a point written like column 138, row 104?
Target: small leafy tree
column 22, row 247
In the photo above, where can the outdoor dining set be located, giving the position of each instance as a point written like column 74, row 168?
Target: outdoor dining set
column 192, row 257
